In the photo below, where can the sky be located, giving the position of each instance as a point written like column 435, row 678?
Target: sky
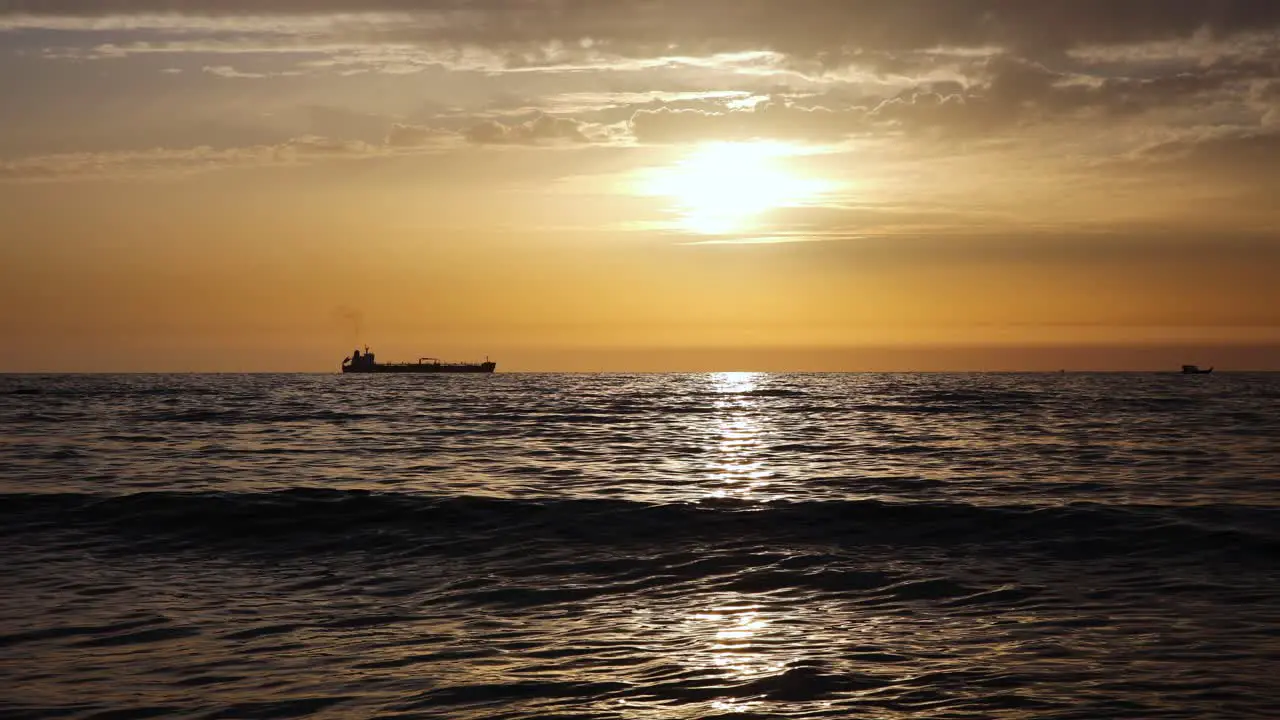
column 261, row 185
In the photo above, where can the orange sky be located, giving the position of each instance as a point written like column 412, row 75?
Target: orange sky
column 820, row 186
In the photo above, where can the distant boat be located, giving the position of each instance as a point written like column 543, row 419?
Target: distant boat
column 367, row 363
column 1195, row 370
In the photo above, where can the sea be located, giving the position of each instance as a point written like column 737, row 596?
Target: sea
column 598, row 546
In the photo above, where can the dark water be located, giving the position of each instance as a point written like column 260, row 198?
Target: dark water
column 655, row 546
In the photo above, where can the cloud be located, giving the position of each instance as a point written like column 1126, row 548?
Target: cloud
column 778, row 119
column 1250, row 156
column 1007, row 90
column 312, row 146
column 807, row 28
column 400, row 138
column 543, row 128
column 1099, row 75
column 171, row 162
column 1042, row 44
column 227, row 71
column 413, row 136
column 1000, row 92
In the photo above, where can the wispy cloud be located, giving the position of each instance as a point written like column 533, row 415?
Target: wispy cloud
column 163, row 163
column 1100, row 81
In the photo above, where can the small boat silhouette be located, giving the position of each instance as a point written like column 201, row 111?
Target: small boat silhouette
column 1195, row 370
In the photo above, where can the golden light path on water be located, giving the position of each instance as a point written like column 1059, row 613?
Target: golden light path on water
column 744, row 649
column 739, row 467
column 730, row 634
column 729, row 629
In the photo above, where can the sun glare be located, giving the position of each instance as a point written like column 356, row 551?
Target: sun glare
column 723, row 188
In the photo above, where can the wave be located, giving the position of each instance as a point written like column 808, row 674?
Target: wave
column 762, row 393
column 313, row 519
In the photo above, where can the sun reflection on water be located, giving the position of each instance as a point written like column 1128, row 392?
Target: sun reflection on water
column 739, row 467
column 731, row 639
column 736, row 382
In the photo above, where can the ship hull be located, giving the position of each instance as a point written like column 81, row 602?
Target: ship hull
column 422, row 369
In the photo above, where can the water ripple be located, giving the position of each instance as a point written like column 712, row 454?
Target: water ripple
column 640, row 546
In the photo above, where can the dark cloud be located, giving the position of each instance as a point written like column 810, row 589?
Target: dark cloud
column 812, row 28
column 809, row 119
column 1019, row 75
column 1009, row 88
column 1004, row 91
column 933, row 68
column 1246, row 156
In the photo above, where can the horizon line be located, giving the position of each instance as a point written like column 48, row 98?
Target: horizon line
column 1064, row 371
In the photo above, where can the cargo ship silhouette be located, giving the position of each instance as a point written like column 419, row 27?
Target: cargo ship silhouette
column 367, row 363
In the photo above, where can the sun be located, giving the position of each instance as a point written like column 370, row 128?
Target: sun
column 723, row 188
